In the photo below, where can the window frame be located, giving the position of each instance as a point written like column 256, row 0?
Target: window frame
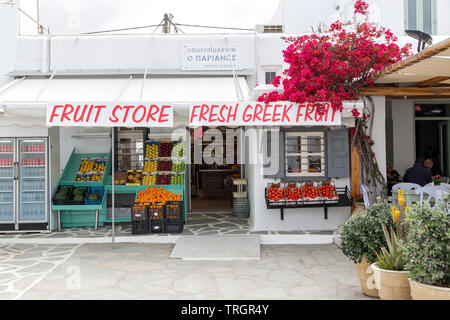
column 265, row 76
column 304, row 154
column 419, row 19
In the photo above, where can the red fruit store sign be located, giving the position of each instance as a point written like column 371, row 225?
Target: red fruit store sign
column 260, row 114
column 89, row 114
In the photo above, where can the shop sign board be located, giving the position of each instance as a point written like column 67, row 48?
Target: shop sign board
column 205, row 56
column 280, row 113
column 89, row 114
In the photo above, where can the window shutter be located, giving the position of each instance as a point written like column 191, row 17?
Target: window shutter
column 274, row 157
column 338, row 154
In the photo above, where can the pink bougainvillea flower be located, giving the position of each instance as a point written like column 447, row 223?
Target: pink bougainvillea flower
column 361, row 7
column 329, row 67
column 276, row 81
column 355, row 113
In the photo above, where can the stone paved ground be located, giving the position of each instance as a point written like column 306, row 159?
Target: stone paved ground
column 198, row 224
column 23, row 266
column 144, row 271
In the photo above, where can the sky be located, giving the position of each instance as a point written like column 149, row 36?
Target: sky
column 80, row 16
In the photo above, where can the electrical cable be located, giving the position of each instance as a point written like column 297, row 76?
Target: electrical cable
column 123, row 29
column 170, row 21
column 211, row 27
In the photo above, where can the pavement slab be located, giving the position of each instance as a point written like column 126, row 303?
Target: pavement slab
column 145, row 271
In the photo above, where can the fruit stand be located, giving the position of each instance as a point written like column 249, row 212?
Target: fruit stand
column 164, row 166
column 307, row 195
column 80, row 199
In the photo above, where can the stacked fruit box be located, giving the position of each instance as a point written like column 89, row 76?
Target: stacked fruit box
column 164, row 163
column 91, row 169
column 293, row 193
column 310, row 192
column 134, row 177
column 275, row 193
column 328, row 192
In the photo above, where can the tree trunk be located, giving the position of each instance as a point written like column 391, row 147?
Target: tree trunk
column 370, row 173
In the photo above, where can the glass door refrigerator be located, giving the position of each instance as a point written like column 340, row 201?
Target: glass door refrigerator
column 25, row 185
column 7, row 184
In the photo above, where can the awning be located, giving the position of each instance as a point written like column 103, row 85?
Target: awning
column 24, row 100
column 424, row 75
column 431, row 62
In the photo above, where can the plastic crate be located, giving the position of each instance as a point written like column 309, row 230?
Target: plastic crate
column 174, row 216
column 75, row 202
column 63, row 202
column 156, row 216
column 139, row 219
column 100, row 190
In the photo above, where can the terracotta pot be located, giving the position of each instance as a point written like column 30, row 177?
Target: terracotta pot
column 420, row 291
column 360, row 208
column 392, row 285
column 367, row 278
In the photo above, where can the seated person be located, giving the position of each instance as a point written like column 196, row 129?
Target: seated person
column 393, row 177
column 435, row 171
column 418, row 173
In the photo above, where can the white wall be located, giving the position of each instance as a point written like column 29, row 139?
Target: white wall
column 443, row 22
column 9, row 24
column 403, row 134
column 81, row 145
column 379, row 133
column 17, row 131
column 294, row 219
column 299, row 16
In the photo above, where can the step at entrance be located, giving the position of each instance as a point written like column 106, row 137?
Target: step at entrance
column 221, row 248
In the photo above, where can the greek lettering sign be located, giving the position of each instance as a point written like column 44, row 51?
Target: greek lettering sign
column 210, row 57
column 88, row 114
column 281, row 113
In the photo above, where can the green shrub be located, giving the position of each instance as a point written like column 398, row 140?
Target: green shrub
column 362, row 235
column 427, row 244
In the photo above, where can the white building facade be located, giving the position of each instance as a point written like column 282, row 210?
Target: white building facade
column 259, row 59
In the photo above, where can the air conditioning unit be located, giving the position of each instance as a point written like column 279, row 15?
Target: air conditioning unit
column 269, row 28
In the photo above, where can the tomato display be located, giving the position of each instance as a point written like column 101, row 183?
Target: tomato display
column 310, row 192
column 328, row 191
column 293, row 193
column 275, row 194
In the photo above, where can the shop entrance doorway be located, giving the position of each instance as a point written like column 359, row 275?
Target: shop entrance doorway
column 214, row 165
column 433, row 135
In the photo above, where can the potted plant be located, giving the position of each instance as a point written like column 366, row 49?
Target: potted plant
column 391, row 276
column 427, row 248
column 437, row 180
column 361, row 236
column 359, row 205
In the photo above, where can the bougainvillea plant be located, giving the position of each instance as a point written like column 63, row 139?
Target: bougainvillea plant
column 331, row 66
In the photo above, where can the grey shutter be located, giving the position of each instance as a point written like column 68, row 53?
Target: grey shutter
column 274, row 157
column 338, row 154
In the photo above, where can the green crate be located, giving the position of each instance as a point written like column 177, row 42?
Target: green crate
column 70, row 171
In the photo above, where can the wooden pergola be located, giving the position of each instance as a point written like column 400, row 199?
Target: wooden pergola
column 425, row 75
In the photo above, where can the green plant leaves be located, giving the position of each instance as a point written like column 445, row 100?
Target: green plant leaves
column 427, row 243
column 362, row 235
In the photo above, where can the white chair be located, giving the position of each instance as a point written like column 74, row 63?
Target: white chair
column 365, row 191
column 406, row 186
column 434, row 192
column 444, row 185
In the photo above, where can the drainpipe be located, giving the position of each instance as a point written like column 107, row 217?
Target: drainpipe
column 45, row 54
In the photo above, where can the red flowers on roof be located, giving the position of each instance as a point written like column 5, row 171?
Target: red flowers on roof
column 361, row 7
column 328, row 67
